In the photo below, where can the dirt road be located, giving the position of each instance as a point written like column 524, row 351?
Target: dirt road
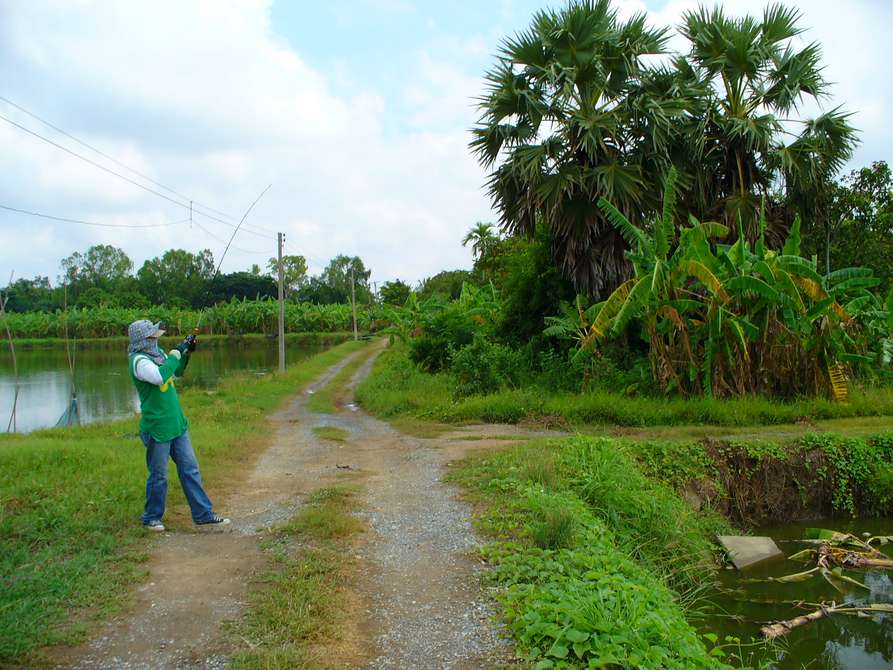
column 419, row 603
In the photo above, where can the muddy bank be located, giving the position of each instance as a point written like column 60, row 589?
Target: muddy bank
column 759, row 482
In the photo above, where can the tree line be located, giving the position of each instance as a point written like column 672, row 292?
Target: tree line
column 104, row 276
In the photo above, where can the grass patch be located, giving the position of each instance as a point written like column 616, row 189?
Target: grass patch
column 301, row 601
column 594, row 563
column 396, row 388
column 70, row 502
column 324, row 400
column 332, row 433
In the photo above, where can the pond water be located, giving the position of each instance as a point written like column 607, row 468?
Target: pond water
column 840, row 641
column 103, row 383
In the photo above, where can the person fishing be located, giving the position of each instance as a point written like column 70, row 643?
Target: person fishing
column 163, row 426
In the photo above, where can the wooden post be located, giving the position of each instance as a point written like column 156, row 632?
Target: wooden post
column 281, row 237
column 353, row 302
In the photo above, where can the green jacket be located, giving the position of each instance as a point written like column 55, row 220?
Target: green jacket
column 161, row 414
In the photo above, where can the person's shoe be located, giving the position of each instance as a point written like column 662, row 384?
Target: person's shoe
column 156, row 526
column 214, row 520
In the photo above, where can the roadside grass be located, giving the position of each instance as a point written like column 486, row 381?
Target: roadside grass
column 297, row 611
column 332, row 433
column 324, row 400
column 397, row 389
column 70, row 499
column 594, row 564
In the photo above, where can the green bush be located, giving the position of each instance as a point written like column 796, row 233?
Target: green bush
column 574, row 594
column 485, row 367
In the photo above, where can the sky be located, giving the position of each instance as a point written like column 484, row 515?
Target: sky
column 357, row 113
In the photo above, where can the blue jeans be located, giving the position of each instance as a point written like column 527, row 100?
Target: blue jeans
column 180, row 450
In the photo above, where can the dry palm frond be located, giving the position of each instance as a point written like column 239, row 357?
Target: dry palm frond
column 839, row 384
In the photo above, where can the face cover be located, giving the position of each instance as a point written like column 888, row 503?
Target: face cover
column 143, row 340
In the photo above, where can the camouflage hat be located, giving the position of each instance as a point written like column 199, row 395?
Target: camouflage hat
column 142, row 329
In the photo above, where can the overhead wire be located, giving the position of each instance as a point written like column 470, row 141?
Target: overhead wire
column 90, row 223
column 222, row 241
column 124, row 177
column 114, row 160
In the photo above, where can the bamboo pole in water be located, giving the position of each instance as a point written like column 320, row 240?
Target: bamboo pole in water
column 11, row 426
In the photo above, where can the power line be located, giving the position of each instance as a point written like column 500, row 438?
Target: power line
column 121, row 176
column 222, row 241
column 106, row 156
column 90, row 223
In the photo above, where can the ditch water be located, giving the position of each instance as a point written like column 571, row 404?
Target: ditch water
column 104, row 387
column 841, row 642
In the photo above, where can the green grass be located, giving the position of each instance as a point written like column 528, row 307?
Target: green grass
column 324, row 400
column 70, row 503
column 396, row 388
column 332, row 433
column 595, row 563
column 300, row 602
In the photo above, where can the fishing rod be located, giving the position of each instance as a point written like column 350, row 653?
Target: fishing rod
column 191, row 338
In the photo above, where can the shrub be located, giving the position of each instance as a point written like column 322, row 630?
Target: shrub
column 485, row 367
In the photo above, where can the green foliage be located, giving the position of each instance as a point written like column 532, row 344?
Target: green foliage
column 604, row 475
column 447, row 284
column 445, row 327
column 294, row 272
column 530, row 286
column 740, row 319
column 583, row 601
column 233, row 317
column 397, row 387
column 177, row 278
column 566, row 122
column 394, row 292
column 485, row 367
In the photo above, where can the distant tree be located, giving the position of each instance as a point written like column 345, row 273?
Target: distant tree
column 447, row 283
column 96, row 297
column 32, row 295
column 239, row 285
column 529, row 285
column 858, row 230
column 178, row 278
column 337, row 276
column 255, row 269
column 481, row 238
column 394, row 292
column 294, row 269
column 315, row 290
column 101, row 266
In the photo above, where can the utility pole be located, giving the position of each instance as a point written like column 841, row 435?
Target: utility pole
column 281, row 238
column 353, row 303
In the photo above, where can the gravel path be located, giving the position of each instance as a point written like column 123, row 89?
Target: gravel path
column 418, row 599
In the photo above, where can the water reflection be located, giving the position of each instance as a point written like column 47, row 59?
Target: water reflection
column 838, row 642
column 104, row 387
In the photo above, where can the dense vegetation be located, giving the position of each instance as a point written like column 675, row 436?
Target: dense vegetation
column 235, row 317
column 103, row 277
column 574, row 112
column 591, row 558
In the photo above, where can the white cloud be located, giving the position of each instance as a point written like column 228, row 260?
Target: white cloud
column 206, row 97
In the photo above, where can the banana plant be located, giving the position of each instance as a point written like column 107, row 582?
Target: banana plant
column 737, row 319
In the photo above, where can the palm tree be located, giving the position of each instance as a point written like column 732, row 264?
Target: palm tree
column 572, row 114
column 744, row 143
column 481, row 238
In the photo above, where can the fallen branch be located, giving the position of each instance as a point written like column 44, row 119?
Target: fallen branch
column 775, row 630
